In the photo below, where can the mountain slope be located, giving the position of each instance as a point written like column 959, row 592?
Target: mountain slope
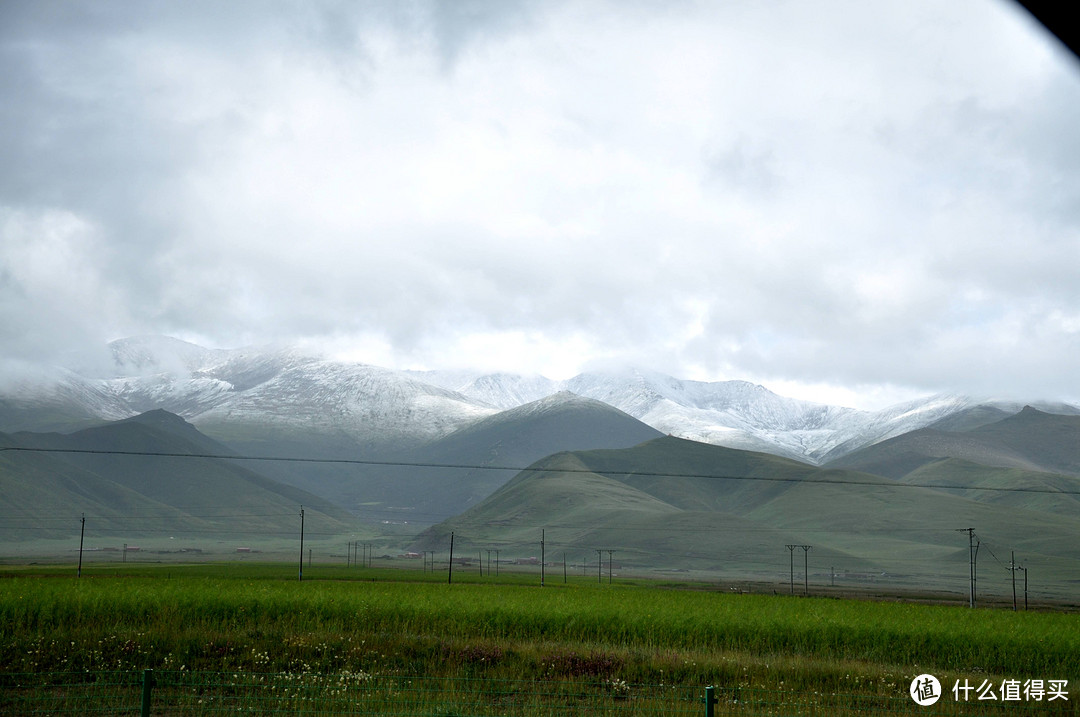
column 736, row 414
column 896, row 457
column 501, row 390
column 252, row 398
column 1032, row 490
column 55, row 399
column 1029, row 441
column 366, row 405
column 105, row 471
column 1051, row 441
column 676, row 503
column 489, row 452
column 284, row 401
column 665, row 475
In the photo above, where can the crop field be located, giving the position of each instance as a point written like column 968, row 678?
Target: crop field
column 261, row 627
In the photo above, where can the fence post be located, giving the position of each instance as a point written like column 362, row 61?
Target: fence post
column 710, row 701
column 147, row 687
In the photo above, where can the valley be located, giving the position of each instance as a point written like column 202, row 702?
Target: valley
column 222, row 450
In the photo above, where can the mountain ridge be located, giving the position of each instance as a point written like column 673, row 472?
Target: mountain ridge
column 670, row 502
column 444, row 477
column 254, row 398
column 111, row 470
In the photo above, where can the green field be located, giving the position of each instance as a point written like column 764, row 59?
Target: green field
column 255, row 618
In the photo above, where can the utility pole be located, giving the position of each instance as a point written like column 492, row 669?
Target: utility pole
column 542, row 556
column 82, row 534
column 481, row 561
column 610, row 553
column 450, row 571
column 791, row 552
column 1025, row 588
column 564, row 568
column 1013, row 569
column 301, row 544
column 496, row 563
column 599, row 567
column 973, row 552
column 806, row 572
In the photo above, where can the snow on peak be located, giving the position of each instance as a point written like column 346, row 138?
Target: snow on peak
column 289, row 386
column 148, row 355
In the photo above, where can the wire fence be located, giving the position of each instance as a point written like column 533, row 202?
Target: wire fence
column 157, row 692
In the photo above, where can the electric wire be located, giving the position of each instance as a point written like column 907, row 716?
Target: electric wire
column 403, row 515
column 880, row 483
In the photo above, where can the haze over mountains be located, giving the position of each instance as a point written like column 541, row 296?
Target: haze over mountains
column 48, row 479
column 687, row 505
column 610, row 459
column 285, row 399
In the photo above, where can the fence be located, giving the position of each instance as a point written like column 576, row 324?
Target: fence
column 154, row 692
column 202, row 693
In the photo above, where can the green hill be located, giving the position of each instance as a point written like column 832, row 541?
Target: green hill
column 43, row 416
column 672, row 504
column 899, row 456
column 49, row 480
column 1028, row 441
column 443, row 478
column 1048, row 440
column 1013, row 487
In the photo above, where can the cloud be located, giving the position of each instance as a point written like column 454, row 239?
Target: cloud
column 51, row 263
column 804, row 193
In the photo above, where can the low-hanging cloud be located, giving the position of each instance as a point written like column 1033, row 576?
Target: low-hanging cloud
column 884, row 194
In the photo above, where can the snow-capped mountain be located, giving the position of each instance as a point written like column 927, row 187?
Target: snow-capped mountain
column 369, row 403
column 263, row 394
column 245, row 391
column 737, row 414
column 499, row 390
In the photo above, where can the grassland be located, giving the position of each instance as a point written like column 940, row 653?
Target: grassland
column 259, row 618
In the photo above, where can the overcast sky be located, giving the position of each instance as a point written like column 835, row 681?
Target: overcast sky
column 850, row 202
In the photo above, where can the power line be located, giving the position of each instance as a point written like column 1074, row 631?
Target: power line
column 485, row 527
column 992, row 554
column 469, row 466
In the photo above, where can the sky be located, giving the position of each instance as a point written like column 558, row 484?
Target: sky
column 844, row 201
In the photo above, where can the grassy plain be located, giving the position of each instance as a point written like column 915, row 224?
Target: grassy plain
column 259, row 618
